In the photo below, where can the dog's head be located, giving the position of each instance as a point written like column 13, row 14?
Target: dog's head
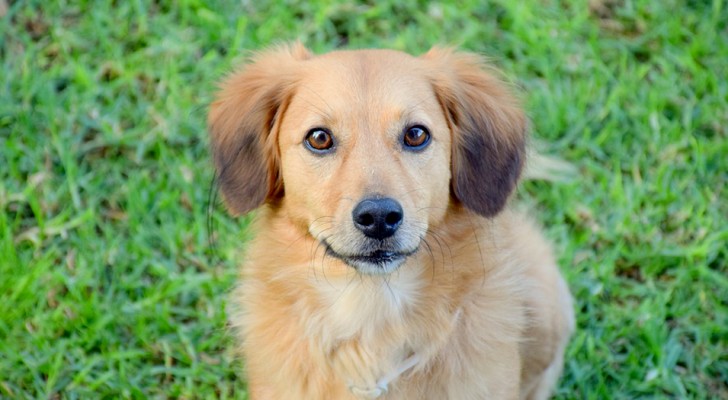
column 366, row 150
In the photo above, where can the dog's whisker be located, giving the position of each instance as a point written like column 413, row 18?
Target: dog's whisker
column 442, row 244
column 428, row 248
column 434, row 235
column 421, row 209
column 319, row 244
column 316, row 245
column 473, row 226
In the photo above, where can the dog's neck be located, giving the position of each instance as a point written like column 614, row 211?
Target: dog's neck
column 362, row 304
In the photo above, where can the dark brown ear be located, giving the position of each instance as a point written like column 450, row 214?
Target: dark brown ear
column 243, row 121
column 489, row 129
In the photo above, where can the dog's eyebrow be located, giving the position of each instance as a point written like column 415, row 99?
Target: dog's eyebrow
column 414, row 115
column 325, row 114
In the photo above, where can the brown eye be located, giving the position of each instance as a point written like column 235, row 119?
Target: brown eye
column 416, row 137
column 319, row 140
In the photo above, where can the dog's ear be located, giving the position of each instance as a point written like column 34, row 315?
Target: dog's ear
column 243, row 121
column 488, row 126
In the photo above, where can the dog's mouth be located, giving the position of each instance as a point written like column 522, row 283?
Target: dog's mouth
column 377, row 262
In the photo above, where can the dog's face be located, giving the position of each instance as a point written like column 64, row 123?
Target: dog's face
column 366, row 150
column 362, row 163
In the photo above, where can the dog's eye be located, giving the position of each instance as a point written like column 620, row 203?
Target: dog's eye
column 416, row 137
column 319, row 140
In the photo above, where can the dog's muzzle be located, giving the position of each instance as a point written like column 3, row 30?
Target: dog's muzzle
column 380, row 251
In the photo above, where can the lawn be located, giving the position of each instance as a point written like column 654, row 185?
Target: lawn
column 116, row 261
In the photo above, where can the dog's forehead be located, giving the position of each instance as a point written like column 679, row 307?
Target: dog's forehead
column 367, row 58
column 369, row 61
column 384, row 77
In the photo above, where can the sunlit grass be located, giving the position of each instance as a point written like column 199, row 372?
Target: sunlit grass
column 109, row 286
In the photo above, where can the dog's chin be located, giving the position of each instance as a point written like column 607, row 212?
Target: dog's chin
column 379, row 262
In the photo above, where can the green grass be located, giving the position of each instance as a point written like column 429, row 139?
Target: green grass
column 109, row 286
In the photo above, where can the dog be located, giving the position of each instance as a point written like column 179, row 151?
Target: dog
column 386, row 262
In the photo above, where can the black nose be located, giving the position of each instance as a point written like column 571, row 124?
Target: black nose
column 378, row 218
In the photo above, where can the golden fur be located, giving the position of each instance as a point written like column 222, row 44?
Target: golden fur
column 476, row 310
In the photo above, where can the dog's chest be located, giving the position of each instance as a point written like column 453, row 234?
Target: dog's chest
column 358, row 305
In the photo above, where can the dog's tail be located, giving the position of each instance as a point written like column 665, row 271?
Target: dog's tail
column 548, row 168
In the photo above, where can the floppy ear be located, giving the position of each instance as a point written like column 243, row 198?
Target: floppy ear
column 242, row 123
column 488, row 126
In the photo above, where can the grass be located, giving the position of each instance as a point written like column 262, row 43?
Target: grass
column 109, row 286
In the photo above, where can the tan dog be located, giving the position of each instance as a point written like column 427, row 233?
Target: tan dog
column 385, row 264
